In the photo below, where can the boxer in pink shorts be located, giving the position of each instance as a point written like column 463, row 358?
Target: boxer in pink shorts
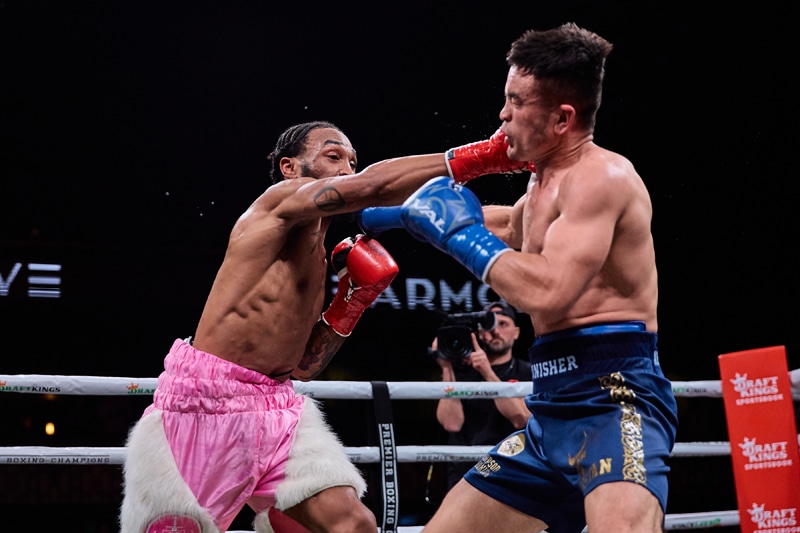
column 260, row 443
column 227, row 430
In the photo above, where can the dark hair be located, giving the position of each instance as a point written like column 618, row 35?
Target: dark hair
column 291, row 143
column 569, row 64
column 502, row 308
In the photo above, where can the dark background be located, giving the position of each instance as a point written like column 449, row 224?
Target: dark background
column 133, row 134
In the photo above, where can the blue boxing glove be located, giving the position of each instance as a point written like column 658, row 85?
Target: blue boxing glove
column 446, row 215
column 375, row 220
column 449, row 216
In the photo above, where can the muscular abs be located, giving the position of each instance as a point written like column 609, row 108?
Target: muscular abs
column 270, row 304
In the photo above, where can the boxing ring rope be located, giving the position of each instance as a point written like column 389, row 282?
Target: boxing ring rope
column 345, row 390
column 352, row 390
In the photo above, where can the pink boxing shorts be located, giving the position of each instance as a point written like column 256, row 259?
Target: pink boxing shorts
column 219, row 436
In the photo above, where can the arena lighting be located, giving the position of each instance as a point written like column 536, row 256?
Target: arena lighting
column 43, row 279
column 50, row 428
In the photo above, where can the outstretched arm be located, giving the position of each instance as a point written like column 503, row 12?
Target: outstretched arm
column 391, row 181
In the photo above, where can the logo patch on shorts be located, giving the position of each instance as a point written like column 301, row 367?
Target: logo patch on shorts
column 173, row 524
column 512, row 445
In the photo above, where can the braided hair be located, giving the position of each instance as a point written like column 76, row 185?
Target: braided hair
column 291, row 143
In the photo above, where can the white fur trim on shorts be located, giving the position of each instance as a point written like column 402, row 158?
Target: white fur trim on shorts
column 153, row 486
column 317, row 461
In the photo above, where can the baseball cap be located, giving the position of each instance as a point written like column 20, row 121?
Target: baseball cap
column 502, row 308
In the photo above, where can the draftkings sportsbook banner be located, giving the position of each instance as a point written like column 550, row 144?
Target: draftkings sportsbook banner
column 757, row 393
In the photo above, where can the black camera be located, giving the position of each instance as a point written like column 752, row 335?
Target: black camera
column 454, row 336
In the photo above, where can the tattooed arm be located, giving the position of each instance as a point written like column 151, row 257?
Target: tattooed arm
column 385, row 183
column 320, row 349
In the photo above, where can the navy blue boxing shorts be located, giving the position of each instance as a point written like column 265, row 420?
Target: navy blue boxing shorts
column 602, row 411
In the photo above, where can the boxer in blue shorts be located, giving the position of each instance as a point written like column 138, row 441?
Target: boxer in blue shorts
column 576, row 254
column 603, row 412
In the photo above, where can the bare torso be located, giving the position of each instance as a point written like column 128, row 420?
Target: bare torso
column 267, row 295
column 590, row 221
column 263, row 310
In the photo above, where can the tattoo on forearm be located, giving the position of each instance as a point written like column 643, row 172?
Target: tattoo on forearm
column 320, row 349
column 329, row 199
column 316, row 362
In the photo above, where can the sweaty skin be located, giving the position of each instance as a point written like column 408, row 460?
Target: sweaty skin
column 584, row 255
column 263, row 309
column 583, row 226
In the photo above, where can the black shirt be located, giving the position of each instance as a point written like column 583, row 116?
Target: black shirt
column 483, row 423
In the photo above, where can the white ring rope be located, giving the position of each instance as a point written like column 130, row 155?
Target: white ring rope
column 357, row 454
column 345, row 390
column 42, row 455
column 353, row 390
column 674, row 521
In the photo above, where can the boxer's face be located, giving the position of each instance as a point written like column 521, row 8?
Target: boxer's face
column 328, row 153
column 528, row 121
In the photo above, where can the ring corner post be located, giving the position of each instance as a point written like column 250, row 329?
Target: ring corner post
column 759, row 409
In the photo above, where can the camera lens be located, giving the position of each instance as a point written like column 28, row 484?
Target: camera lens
column 454, row 342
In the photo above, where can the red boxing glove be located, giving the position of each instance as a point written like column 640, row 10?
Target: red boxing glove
column 365, row 269
column 483, row 157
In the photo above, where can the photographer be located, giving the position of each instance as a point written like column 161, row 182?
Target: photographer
column 480, row 421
